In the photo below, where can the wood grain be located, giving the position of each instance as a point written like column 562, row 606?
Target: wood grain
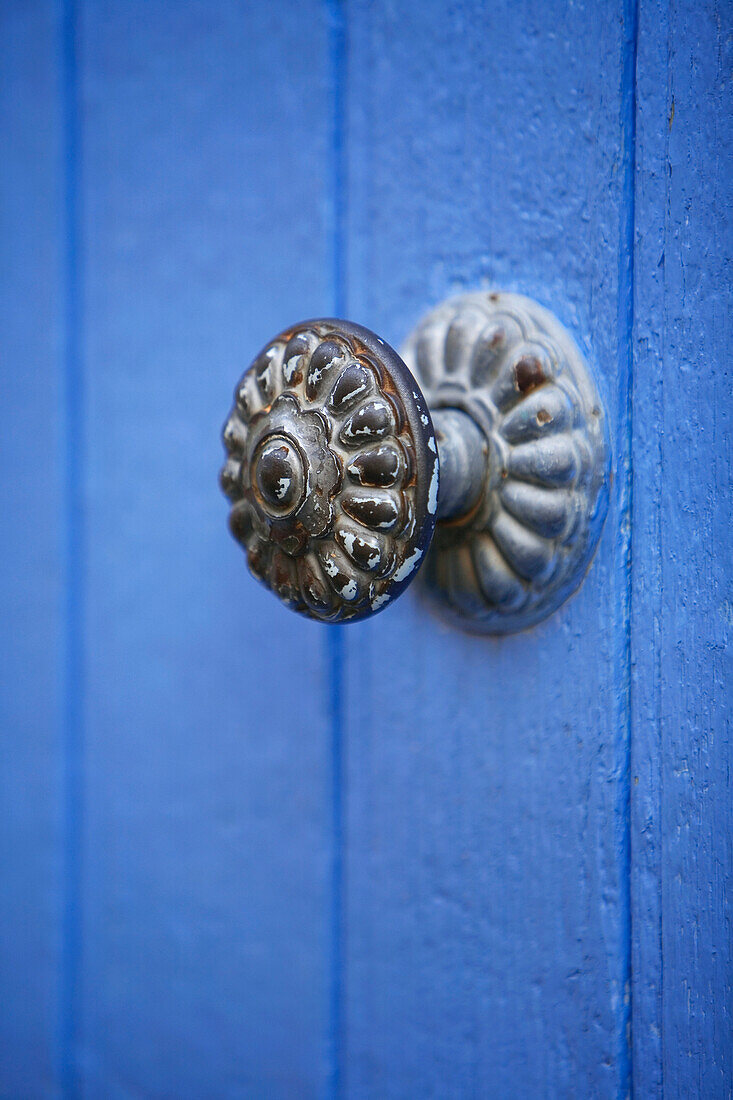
column 681, row 743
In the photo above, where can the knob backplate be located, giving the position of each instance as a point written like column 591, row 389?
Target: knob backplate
column 525, row 546
column 331, row 471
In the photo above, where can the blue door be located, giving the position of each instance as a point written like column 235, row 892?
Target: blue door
column 247, row 855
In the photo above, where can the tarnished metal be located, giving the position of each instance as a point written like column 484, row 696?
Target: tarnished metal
column 463, row 453
column 332, row 470
column 508, row 365
column 336, row 474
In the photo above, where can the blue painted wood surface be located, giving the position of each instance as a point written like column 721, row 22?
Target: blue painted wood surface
column 32, row 549
column 681, row 431
column 244, row 855
column 488, row 848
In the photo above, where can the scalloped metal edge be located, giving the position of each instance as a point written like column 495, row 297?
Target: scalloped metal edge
column 450, row 576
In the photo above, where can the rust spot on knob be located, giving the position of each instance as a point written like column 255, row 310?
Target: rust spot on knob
column 528, row 374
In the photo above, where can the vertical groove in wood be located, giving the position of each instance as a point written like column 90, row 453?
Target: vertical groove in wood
column 624, row 474
column 647, row 747
column 682, row 752
column 335, row 640
column 31, row 546
column 74, row 561
column 335, row 961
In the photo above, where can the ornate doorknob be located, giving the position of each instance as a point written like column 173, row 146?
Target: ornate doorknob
column 480, row 453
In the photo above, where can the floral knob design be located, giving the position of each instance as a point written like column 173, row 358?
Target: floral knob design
column 331, row 471
column 337, row 471
column 516, row 373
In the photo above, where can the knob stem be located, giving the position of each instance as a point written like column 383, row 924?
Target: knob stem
column 463, row 454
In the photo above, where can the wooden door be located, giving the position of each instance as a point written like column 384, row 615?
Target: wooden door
column 248, row 856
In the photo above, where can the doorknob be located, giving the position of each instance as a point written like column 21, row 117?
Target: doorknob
column 481, row 453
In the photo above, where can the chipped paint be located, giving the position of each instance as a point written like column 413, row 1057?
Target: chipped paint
column 356, row 392
column 355, row 433
column 349, row 539
column 330, row 566
column 290, row 368
column 407, row 567
column 433, row 490
column 375, row 502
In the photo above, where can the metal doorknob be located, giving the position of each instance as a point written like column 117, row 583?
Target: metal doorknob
column 481, row 453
